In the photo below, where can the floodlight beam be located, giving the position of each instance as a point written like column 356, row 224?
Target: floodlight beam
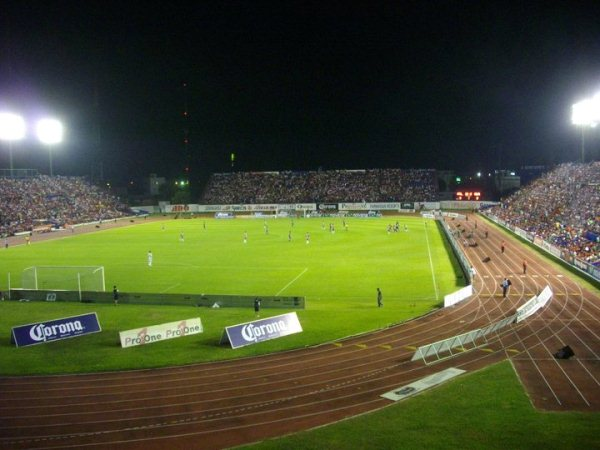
column 50, row 132
column 586, row 113
column 12, row 128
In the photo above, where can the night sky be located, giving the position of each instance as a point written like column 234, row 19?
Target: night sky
column 300, row 85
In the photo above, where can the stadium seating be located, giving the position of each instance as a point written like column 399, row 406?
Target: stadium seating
column 373, row 185
column 36, row 202
column 562, row 207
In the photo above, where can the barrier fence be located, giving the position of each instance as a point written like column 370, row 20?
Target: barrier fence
column 447, row 348
column 146, row 298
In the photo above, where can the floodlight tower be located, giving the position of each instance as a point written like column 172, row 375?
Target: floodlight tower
column 50, row 132
column 586, row 113
column 12, row 128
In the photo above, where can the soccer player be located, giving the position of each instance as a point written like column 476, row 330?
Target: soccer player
column 149, row 258
column 181, row 237
column 307, row 237
column 379, row 298
column 290, row 236
column 245, row 237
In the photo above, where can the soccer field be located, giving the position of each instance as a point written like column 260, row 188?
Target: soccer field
column 337, row 272
column 345, row 265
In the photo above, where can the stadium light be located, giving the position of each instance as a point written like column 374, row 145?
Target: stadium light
column 586, row 113
column 12, row 128
column 49, row 132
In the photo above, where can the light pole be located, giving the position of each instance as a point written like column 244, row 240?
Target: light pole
column 586, row 113
column 12, row 128
column 49, row 132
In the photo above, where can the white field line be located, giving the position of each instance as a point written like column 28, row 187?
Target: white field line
column 169, row 288
column 431, row 264
column 288, row 285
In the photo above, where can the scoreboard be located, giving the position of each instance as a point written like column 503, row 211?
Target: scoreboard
column 467, row 195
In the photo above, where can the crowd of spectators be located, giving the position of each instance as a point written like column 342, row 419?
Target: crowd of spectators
column 332, row 186
column 562, row 207
column 35, row 202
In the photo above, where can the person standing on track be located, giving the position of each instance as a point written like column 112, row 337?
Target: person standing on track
column 502, row 246
column 505, row 285
column 524, row 267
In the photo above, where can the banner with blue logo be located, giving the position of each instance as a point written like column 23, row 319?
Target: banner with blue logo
column 54, row 330
column 263, row 330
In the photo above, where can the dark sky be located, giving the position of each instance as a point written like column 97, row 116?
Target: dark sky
column 300, row 85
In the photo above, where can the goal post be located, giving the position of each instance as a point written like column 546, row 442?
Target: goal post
column 64, row 278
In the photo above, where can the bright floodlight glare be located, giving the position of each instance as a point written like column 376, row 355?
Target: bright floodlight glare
column 12, row 127
column 49, row 131
column 583, row 113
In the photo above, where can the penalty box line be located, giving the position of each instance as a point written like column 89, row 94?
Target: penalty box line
column 290, row 283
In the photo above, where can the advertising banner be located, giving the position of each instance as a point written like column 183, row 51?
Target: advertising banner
column 327, row 206
column 55, row 330
column 423, row 384
column 263, row 330
column 164, row 331
column 363, row 206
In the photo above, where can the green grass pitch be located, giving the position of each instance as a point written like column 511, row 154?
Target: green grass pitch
column 337, row 273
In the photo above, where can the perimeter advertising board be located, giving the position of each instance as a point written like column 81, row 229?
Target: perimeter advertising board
column 156, row 333
column 262, row 330
column 55, row 330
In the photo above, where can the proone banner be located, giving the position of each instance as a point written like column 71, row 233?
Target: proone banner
column 262, row 330
column 155, row 333
column 55, row 330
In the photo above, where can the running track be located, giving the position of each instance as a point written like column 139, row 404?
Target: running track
column 219, row 405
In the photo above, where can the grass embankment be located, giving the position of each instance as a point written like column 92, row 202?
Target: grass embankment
column 483, row 410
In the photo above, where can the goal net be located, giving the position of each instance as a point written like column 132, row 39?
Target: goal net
column 64, row 278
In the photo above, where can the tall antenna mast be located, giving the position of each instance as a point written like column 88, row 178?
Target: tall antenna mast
column 187, row 158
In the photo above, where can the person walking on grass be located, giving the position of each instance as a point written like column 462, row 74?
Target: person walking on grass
column 379, row 298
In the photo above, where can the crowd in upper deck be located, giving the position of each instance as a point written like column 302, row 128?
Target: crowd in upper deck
column 373, row 185
column 26, row 203
column 562, row 207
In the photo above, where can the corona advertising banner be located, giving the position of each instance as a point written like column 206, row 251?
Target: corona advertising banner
column 262, row 330
column 55, row 330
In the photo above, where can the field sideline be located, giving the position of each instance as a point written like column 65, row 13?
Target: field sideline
column 337, row 272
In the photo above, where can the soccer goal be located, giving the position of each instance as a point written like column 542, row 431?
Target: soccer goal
column 64, row 278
